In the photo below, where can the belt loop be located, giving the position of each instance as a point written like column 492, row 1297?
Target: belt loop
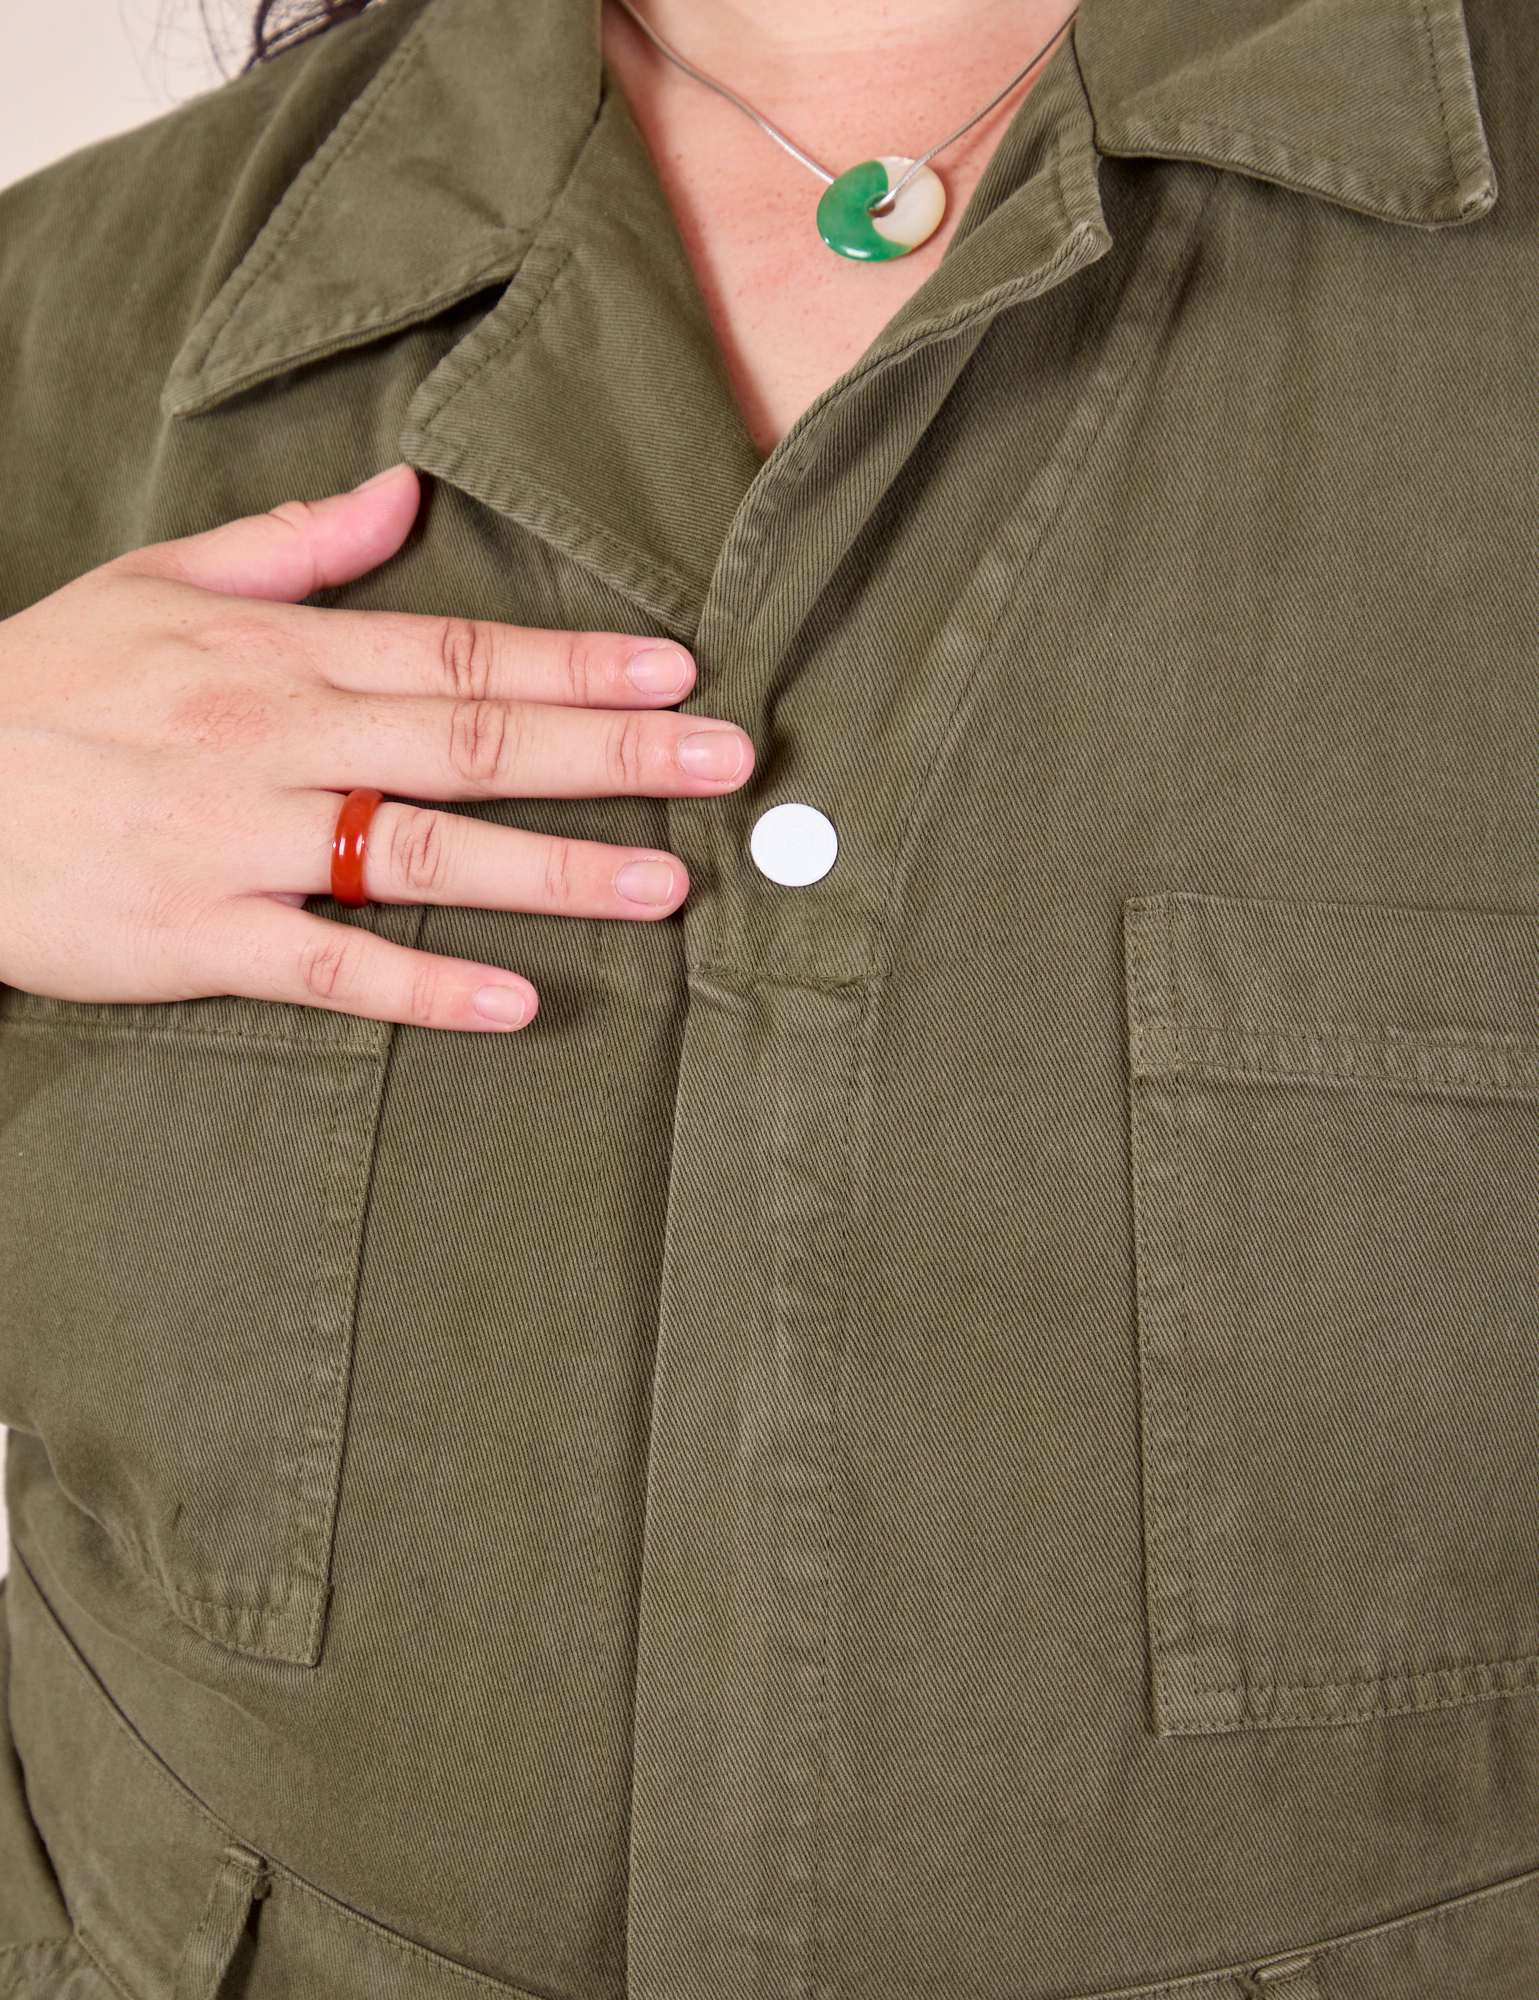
column 1285, row 1979
column 243, row 1878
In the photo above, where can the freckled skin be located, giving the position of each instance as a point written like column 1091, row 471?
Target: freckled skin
column 791, row 316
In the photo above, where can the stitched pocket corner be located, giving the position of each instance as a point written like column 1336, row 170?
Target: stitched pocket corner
column 1335, row 1118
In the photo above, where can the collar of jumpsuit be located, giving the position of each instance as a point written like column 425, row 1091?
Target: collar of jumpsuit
column 815, row 1530
column 670, row 505
column 603, row 310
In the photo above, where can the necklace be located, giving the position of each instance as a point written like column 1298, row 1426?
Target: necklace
column 879, row 208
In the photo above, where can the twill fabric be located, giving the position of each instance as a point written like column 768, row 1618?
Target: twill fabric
column 964, row 1431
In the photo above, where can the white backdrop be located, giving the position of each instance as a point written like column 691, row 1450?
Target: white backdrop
column 76, row 70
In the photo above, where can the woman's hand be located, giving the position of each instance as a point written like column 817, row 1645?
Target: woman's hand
column 177, row 732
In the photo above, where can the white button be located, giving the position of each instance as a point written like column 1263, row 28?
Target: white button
column 794, row 844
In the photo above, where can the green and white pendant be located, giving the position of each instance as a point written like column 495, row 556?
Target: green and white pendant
column 848, row 227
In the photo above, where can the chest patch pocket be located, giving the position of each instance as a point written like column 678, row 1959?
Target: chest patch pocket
column 1336, row 1194
column 182, row 1194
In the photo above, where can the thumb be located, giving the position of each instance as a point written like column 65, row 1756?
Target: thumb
column 300, row 547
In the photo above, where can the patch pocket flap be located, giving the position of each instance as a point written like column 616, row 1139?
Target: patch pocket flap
column 1336, row 1204
column 182, row 1192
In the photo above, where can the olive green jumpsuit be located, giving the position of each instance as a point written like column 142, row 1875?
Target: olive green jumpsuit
column 966, row 1430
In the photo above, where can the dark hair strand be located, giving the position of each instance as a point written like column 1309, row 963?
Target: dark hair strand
column 283, row 24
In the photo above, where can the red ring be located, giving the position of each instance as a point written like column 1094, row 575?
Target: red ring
column 348, row 844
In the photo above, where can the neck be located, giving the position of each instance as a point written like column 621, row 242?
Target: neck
column 792, row 32
column 848, row 81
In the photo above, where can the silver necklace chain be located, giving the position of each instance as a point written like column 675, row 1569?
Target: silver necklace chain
column 772, row 131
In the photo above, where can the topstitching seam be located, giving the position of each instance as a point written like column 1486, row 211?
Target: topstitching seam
column 60, row 1026
column 1071, row 470
column 1425, row 11
column 1407, row 1673
column 819, row 1867
column 1254, row 152
column 1183, row 1292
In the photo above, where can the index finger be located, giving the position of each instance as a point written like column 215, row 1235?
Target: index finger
column 397, row 652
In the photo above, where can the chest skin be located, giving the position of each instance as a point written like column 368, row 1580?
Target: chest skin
column 789, row 315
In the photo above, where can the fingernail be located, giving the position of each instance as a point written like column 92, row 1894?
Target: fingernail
column 649, row 882
column 508, row 1006
column 714, row 753
column 379, row 478
column 658, row 670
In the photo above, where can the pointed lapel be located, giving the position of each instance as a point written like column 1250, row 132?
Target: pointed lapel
column 429, row 188
column 1369, row 104
column 592, row 406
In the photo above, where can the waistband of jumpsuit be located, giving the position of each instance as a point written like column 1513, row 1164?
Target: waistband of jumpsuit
column 170, row 1901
